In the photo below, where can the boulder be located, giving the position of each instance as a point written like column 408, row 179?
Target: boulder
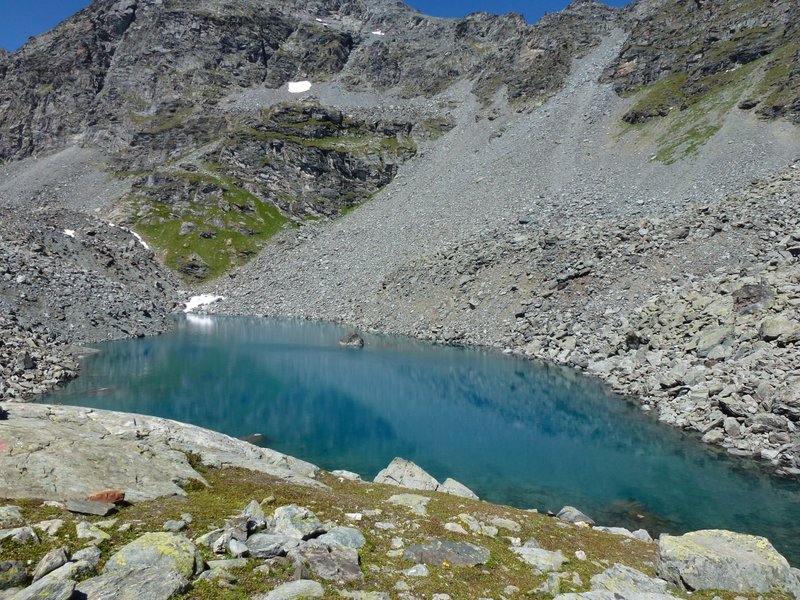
column 151, row 583
column 268, row 545
column 50, row 562
column 12, row 574
column 113, row 496
column 570, row 514
column 723, row 560
column 90, row 507
column 451, row 486
column 440, row 551
column 47, row 588
column 710, row 338
column 404, row 473
column 777, row 328
column 541, row 559
column 626, row 581
column 19, row 535
column 344, row 536
column 294, row 589
column 352, row 341
column 297, row 522
column 331, row 562
column 165, row 551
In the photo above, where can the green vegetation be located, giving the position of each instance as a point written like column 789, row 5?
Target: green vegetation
column 230, row 490
column 224, row 233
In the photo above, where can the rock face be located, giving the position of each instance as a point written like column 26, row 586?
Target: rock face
column 150, row 459
column 722, row 560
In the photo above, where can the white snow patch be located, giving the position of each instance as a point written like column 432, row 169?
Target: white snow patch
column 140, row 240
column 202, row 300
column 69, row 233
column 378, row 32
column 298, row 87
column 200, row 320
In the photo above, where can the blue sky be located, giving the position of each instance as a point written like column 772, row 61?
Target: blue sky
column 20, row 19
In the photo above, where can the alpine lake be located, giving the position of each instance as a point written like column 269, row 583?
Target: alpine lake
column 513, row 431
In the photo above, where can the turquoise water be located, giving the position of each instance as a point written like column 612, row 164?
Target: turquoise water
column 514, row 432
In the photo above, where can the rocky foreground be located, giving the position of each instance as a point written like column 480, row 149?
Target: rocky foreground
column 213, row 517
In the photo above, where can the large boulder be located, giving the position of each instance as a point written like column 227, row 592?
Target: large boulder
column 404, row 473
column 158, row 550
column 153, row 583
column 723, row 560
column 47, row 588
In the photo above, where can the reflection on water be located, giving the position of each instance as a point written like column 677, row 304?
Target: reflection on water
column 514, row 432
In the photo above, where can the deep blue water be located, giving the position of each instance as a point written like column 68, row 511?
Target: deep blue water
column 514, row 432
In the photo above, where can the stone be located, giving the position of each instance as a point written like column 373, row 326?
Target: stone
column 228, row 563
column 10, row 516
column 47, row 588
column 19, row 535
column 347, row 475
column 87, row 531
column 453, row 487
column 237, row 548
column 775, row 328
column 255, row 515
column 90, row 555
column 329, row 562
column 218, row 574
column 294, row 589
column 297, row 522
column 723, row 560
column 626, row 581
column 50, row 562
column 477, row 527
column 166, row 551
column 414, row 502
column 541, row 559
column 417, row 571
column 344, row 536
column 710, row 338
column 352, row 341
column 12, row 574
column 88, row 507
column 174, row 525
column 455, row 528
column 440, row 551
column 151, row 583
column 51, row 527
column 404, row 473
column 507, row 524
column 268, row 545
column 111, row 496
column 570, row 514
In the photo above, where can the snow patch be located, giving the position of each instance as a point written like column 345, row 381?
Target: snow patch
column 201, row 300
column 199, row 320
column 69, row 233
column 298, row 87
column 140, row 240
column 378, row 32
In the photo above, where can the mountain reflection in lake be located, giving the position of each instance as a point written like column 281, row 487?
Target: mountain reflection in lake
column 512, row 431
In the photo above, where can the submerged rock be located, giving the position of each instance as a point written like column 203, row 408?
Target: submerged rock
column 352, row 341
column 723, row 560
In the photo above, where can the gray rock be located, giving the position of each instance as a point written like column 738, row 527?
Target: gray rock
column 570, row 514
column 439, row 551
column 50, row 562
column 626, row 581
column 294, row 589
column 153, row 583
column 541, row 559
column 352, row 341
column 344, row 536
column 174, row 525
column 775, row 328
column 89, row 507
column 348, row 475
column 451, row 486
column 268, row 545
column 19, row 535
column 417, row 571
column 230, row 563
column 87, row 531
column 165, row 551
column 50, row 527
column 297, row 522
column 47, row 588
column 12, row 574
column 91, row 555
column 238, row 549
column 711, row 338
column 329, row 562
column 723, row 560
column 404, row 473
column 10, row 515
column 414, row 502
column 217, row 573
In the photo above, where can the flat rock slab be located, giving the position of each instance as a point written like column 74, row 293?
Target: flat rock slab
column 722, row 560
column 164, row 551
column 329, row 562
column 148, row 453
column 47, row 588
column 12, row 574
column 440, row 551
column 151, row 583
column 625, row 581
column 344, row 536
column 90, row 507
column 414, row 502
column 294, row 589
column 541, row 559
